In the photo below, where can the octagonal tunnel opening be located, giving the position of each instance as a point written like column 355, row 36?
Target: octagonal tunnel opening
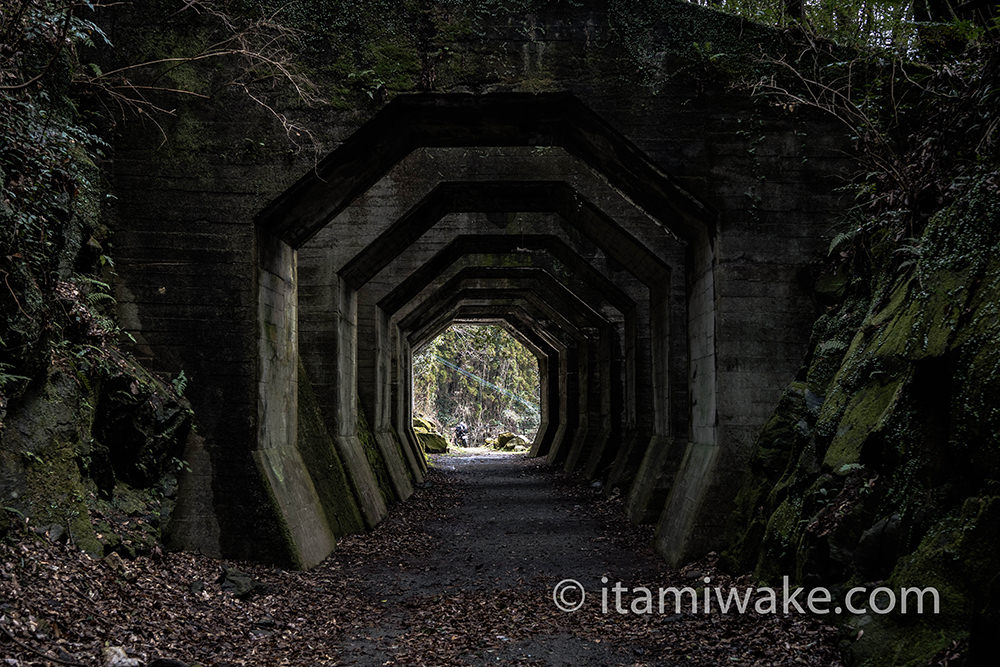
column 480, row 376
column 354, row 355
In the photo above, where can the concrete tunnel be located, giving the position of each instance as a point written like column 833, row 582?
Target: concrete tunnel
column 353, row 328
column 524, row 210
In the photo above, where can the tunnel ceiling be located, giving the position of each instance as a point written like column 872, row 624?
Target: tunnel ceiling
column 502, row 119
column 504, row 197
column 513, row 247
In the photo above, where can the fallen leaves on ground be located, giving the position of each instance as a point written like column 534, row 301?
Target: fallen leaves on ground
column 59, row 603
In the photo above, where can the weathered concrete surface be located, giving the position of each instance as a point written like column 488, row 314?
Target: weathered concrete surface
column 704, row 209
column 686, row 513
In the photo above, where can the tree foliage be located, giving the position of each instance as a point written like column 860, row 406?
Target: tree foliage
column 917, row 28
column 50, row 198
column 63, row 85
column 481, row 375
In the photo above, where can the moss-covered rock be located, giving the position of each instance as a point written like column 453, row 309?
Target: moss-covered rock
column 957, row 559
column 864, row 416
column 38, row 458
column 141, row 424
column 779, row 445
column 430, row 440
column 55, row 470
column 508, row 441
column 432, row 443
column 883, row 464
column 426, row 425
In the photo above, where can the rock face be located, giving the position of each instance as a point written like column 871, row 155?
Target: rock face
column 883, row 462
column 89, row 438
column 142, row 426
column 430, row 440
column 87, row 462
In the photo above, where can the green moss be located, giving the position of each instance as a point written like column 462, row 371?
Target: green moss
column 784, row 521
column 395, row 64
column 966, row 234
column 324, row 465
column 181, row 42
column 920, row 323
column 957, row 558
column 421, row 424
column 432, row 443
column 41, row 450
column 776, row 449
column 375, row 459
column 780, row 541
column 55, row 494
column 128, row 522
column 864, row 415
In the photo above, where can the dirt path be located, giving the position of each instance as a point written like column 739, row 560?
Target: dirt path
column 460, row 574
column 508, row 530
column 479, row 589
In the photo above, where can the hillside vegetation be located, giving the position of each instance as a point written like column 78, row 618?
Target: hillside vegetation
column 881, row 462
column 480, row 375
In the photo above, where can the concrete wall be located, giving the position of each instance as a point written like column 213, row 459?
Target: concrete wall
column 703, row 208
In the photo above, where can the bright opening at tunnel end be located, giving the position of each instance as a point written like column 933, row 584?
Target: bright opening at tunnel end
column 476, row 385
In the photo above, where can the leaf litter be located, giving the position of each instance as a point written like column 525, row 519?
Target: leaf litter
column 460, row 574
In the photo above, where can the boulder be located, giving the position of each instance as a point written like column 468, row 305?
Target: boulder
column 427, row 434
column 509, row 441
column 425, row 425
column 237, row 582
column 432, row 443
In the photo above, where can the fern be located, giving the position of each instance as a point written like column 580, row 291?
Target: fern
column 92, row 282
column 180, row 383
column 98, row 298
column 841, row 239
column 9, row 378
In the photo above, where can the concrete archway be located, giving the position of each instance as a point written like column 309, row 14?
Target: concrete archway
column 268, row 491
column 594, row 290
column 599, row 369
column 306, row 207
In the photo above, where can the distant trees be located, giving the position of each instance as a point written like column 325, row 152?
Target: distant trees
column 481, row 375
